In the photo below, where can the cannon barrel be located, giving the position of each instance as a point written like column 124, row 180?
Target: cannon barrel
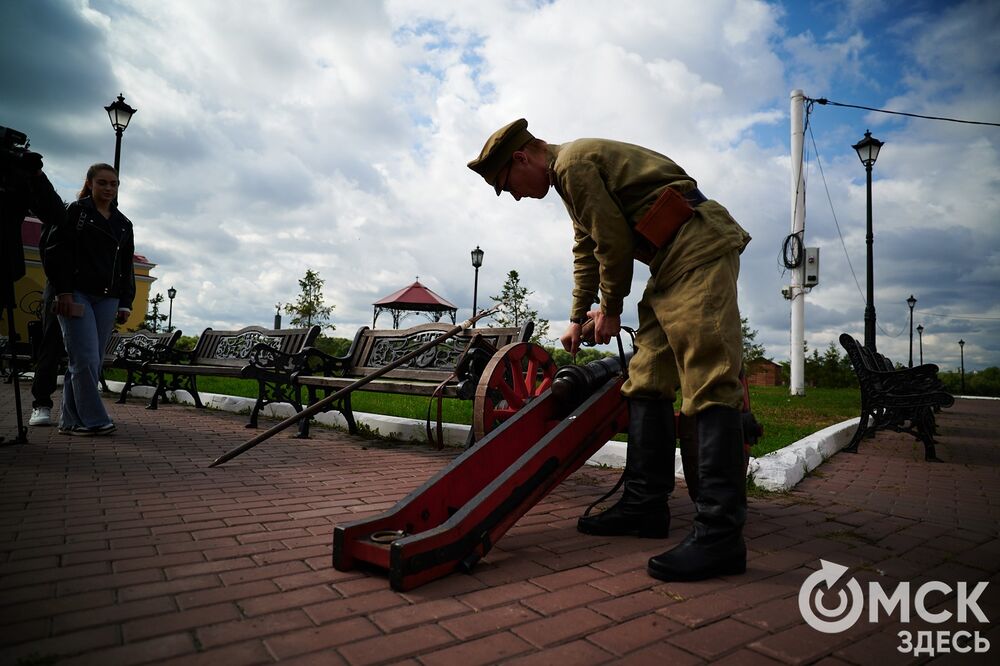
column 575, row 383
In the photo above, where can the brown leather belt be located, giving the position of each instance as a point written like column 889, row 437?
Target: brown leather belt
column 695, row 197
column 663, row 220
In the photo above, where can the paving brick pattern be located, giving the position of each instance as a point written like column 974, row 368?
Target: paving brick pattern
column 130, row 550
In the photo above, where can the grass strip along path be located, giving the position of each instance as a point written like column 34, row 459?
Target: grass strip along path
column 786, row 419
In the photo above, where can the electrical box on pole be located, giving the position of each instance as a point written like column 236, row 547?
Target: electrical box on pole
column 811, row 267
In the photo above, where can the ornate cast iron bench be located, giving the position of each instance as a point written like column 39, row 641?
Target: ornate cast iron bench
column 902, row 400
column 266, row 355
column 431, row 374
column 132, row 352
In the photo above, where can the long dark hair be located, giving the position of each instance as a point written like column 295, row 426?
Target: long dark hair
column 91, row 172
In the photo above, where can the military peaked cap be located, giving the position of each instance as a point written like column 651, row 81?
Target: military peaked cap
column 499, row 150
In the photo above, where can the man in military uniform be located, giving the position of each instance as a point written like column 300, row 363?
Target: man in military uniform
column 629, row 203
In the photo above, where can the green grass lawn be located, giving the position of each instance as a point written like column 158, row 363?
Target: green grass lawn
column 786, row 419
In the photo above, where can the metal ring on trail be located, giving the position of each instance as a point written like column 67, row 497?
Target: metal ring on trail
column 387, row 536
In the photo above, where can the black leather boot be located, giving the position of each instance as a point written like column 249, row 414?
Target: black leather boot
column 715, row 546
column 687, row 434
column 648, row 478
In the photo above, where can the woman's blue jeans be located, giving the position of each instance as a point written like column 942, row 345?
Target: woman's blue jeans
column 86, row 338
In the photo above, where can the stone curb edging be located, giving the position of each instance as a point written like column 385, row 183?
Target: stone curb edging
column 777, row 471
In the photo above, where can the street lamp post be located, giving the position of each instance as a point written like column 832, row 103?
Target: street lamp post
column 119, row 113
column 477, row 261
column 867, row 150
column 911, row 302
column 920, row 335
column 170, row 313
column 961, row 349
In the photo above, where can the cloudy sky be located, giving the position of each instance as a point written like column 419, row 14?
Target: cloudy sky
column 272, row 137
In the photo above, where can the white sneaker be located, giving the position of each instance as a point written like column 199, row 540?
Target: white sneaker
column 40, row 416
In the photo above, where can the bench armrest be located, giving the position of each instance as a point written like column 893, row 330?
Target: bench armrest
column 177, row 356
column 316, row 362
column 133, row 354
column 265, row 358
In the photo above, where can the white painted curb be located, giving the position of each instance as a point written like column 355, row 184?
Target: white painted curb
column 777, row 471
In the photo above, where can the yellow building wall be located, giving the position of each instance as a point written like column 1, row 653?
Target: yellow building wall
column 28, row 295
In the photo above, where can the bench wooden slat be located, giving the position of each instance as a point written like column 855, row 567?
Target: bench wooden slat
column 217, row 370
column 378, row 385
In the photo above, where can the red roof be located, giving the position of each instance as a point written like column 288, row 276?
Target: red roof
column 415, row 297
column 31, row 233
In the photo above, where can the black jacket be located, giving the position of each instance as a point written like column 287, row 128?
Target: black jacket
column 89, row 253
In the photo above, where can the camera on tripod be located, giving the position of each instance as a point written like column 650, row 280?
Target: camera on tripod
column 17, row 166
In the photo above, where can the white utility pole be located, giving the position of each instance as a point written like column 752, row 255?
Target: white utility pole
column 797, row 355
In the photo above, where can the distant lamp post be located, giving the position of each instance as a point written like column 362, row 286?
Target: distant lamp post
column 920, row 335
column 120, row 113
column 477, row 261
column 961, row 349
column 170, row 313
column 911, row 302
column 868, row 149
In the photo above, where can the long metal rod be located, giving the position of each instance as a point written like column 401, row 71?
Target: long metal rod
column 318, row 406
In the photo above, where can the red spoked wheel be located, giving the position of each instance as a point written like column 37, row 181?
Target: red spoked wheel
column 517, row 373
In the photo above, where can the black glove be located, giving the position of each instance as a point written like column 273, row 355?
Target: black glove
column 32, row 163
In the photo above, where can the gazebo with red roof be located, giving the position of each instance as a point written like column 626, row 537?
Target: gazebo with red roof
column 415, row 298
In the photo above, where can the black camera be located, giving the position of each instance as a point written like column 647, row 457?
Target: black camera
column 15, row 158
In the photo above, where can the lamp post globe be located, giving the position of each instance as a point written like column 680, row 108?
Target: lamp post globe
column 477, row 261
column 920, row 336
column 911, row 302
column 868, row 149
column 119, row 113
column 170, row 313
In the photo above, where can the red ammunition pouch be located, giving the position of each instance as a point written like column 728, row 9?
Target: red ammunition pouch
column 663, row 220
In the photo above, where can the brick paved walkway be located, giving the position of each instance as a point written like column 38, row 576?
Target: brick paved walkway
column 129, row 550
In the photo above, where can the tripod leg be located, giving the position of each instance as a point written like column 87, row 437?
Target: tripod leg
column 22, row 432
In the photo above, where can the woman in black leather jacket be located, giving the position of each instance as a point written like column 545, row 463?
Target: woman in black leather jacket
column 88, row 261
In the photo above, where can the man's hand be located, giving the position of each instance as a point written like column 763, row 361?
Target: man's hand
column 606, row 327
column 64, row 305
column 571, row 338
column 122, row 315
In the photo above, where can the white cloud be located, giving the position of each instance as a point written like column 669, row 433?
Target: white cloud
column 275, row 137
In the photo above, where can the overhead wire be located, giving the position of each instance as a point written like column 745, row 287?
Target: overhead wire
column 833, row 212
column 824, row 101
column 795, row 246
column 843, row 244
column 952, row 316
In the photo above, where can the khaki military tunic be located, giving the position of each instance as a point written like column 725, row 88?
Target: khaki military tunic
column 689, row 323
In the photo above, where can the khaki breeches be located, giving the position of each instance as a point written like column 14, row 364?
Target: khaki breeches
column 690, row 335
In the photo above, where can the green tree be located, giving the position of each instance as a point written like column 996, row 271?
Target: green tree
column 514, row 309
column 751, row 350
column 985, row 382
column 153, row 317
column 308, row 309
